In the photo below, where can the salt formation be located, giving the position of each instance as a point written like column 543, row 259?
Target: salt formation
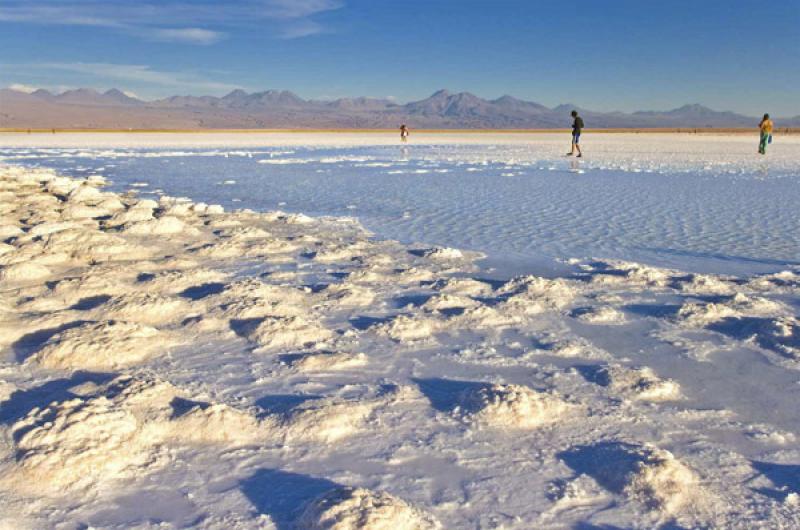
column 463, row 286
column 700, row 314
column 104, row 345
column 600, row 315
column 638, row 383
column 289, row 332
column 325, row 420
column 661, row 481
column 510, row 407
column 112, row 431
column 647, row 475
column 619, row 272
column 444, row 254
column 532, row 295
column 361, row 509
column 780, row 334
column 409, row 329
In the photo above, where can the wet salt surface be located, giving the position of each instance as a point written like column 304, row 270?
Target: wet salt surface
column 702, row 209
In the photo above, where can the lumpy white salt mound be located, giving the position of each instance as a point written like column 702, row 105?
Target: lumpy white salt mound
column 618, row 272
column 289, row 332
column 145, row 308
column 362, row 509
column 101, row 346
column 407, row 329
column 700, row 314
column 532, row 294
column 661, row 481
column 638, row 383
column 444, row 253
column 463, row 286
column 167, row 225
column 600, row 315
column 111, row 431
column 326, row 420
column 23, row 272
column 510, row 407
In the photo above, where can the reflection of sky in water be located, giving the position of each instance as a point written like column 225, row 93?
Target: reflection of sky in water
column 522, row 211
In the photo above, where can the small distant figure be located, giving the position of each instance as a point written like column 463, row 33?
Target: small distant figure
column 403, row 133
column 766, row 126
column 577, row 127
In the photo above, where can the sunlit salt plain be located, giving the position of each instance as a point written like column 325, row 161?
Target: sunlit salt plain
column 696, row 202
column 627, row 355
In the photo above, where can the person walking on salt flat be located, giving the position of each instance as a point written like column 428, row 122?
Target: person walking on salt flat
column 577, row 127
column 766, row 126
column 403, row 133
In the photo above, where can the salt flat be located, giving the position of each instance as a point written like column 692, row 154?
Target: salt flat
column 697, row 202
column 170, row 362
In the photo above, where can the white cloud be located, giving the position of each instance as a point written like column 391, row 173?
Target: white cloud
column 186, row 21
column 18, row 87
column 137, row 76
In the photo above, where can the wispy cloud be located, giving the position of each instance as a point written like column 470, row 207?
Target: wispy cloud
column 187, row 35
column 141, row 77
column 186, row 21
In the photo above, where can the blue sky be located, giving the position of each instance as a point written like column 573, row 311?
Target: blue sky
column 739, row 55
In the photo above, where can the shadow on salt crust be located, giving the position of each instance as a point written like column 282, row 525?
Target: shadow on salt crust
column 348, row 508
column 643, row 473
column 492, row 405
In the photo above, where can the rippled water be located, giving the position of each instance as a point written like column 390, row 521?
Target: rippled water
column 524, row 210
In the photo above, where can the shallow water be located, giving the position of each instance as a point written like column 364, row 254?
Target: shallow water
column 523, row 209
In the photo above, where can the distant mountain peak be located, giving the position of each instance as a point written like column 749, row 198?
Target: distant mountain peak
column 282, row 108
column 42, row 93
column 238, row 93
column 692, row 107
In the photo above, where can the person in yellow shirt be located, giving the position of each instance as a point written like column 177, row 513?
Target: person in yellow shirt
column 766, row 134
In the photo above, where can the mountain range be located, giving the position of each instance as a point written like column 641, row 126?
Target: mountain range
column 86, row 108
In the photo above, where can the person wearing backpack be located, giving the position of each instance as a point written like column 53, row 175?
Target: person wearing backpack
column 766, row 127
column 577, row 127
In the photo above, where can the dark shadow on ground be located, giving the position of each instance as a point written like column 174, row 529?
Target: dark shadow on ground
column 785, row 477
column 244, row 327
column 181, row 406
column 198, row 292
column 283, row 495
column 653, row 310
column 445, row 394
column 282, row 403
column 91, row 302
column 21, row 402
column 590, row 526
column 415, row 300
column 762, row 330
column 608, row 463
column 317, row 287
column 29, row 344
column 594, row 373
column 362, row 323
